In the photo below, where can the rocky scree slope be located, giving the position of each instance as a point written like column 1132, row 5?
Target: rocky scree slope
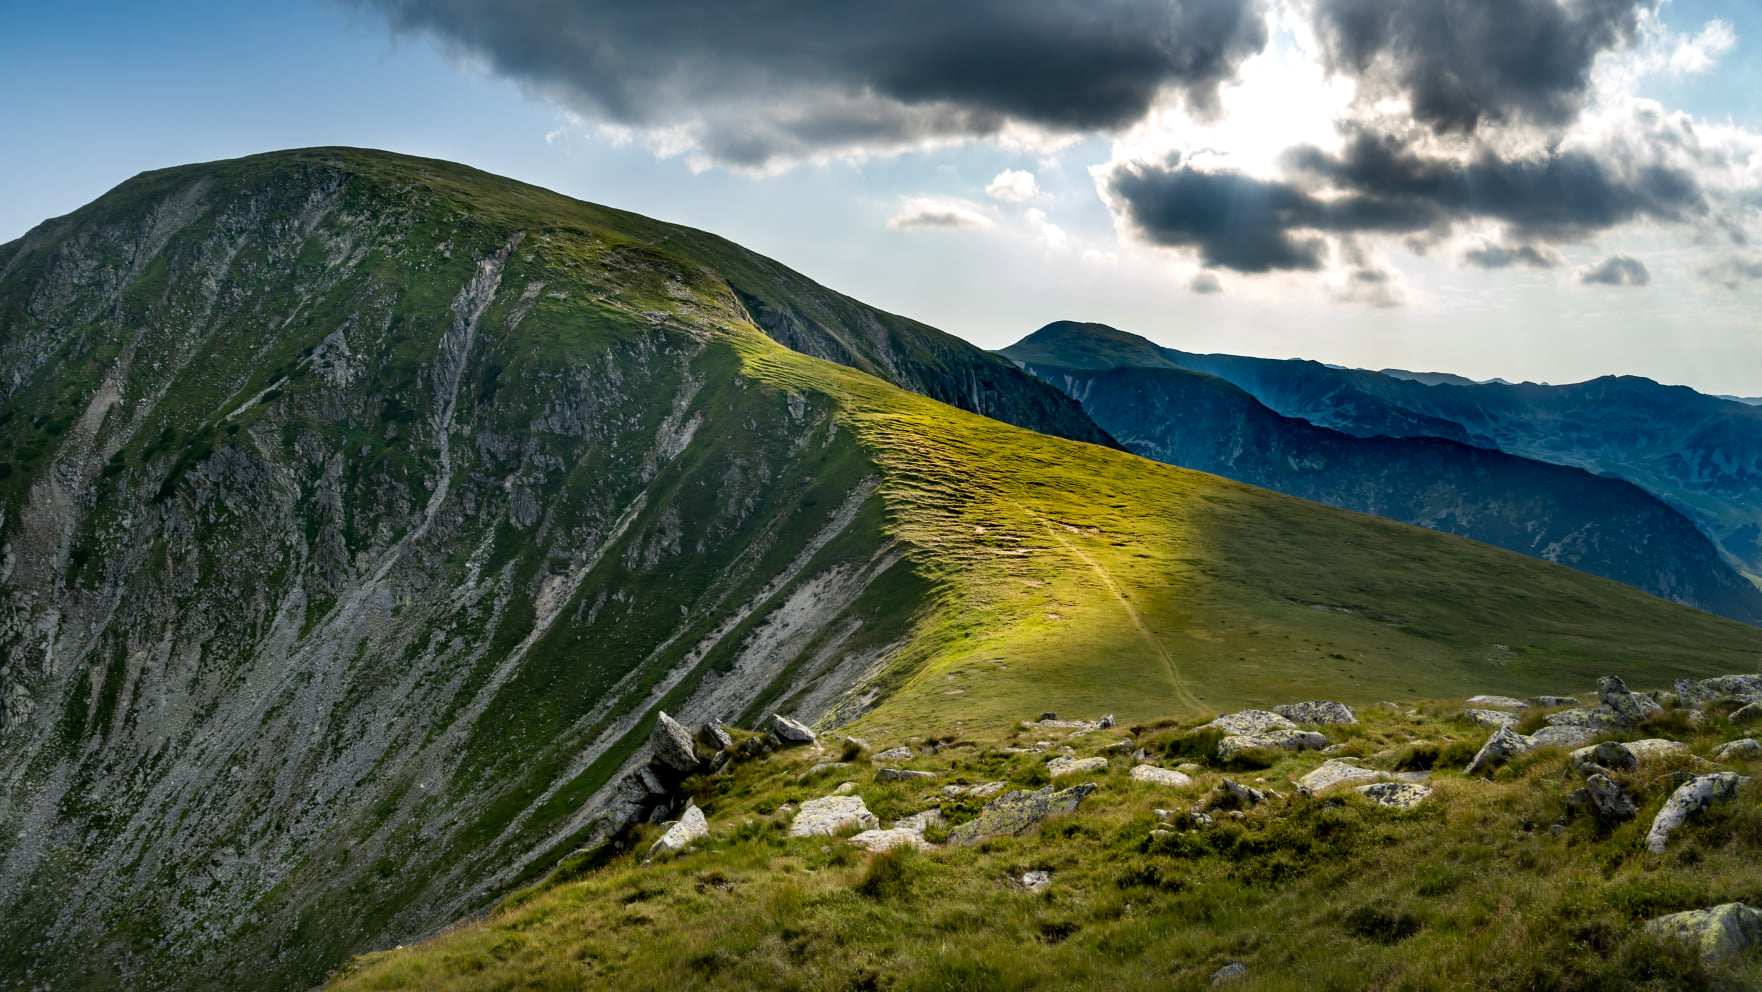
column 1599, row 525
column 362, row 513
column 1702, row 454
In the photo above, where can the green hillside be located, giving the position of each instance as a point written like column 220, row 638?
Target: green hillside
column 359, row 513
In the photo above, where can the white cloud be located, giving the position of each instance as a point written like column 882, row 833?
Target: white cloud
column 1703, row 51
column 938, row 212
column 1095, row 256
column 1013, row 186
column 1052, row 236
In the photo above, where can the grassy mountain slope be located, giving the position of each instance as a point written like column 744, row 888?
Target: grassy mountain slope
column 360, row 512
column 1702, row 454
column 1604, row 526
column 1471, row 889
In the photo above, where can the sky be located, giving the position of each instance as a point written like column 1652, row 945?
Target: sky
column 1547, row 190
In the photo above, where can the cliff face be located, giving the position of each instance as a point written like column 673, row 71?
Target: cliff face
column 387, row 501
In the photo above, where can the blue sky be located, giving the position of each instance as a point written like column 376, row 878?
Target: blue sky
column 102, row 91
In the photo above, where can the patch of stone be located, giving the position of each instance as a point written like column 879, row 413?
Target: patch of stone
column 1604, row 799
column 1271, row 740
column 1062, row 766
column 893, row 754
column 790, row 731
column 1504, row 745
column 1161, row 776
column 1566, row 737
column 1656, row 749
column 1716, row 933
column 1550, row 702
column 902, row 775
column 1400, row 795
column 1248, row 723
column 1016, row 813
column 1230, row 795
column 1034, row 881
column 715, row 736
column 877, row 841
column 1602, row 759
column 1692, row 797
column 856, row 742
column 1492, row 718
column 1321, row 713
column 1229, row 972
column 1747, row 714
column 831, row 814
column 1699, row 695
column 1333, row 773
column 1500, row 703
column 690, row 826
column 1738, row 750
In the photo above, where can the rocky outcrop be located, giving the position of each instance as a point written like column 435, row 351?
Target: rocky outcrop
column 1491, row 718
column 672, row 745
column 1691, row 798
column 690, row 826
column 1400, row 795
column 1716, row 933
column 1160, row 776
column 1062, row 766
column 789, row 731
column 1604, row 799
column 1018, row 812
column 1335, row 772
column 1504, row 745
column 1320, row 713
column 830, row 815
column 1747, row 749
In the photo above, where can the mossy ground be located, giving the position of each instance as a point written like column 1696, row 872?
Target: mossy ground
column 1472, row 889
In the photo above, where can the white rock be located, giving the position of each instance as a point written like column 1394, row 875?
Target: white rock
column 1715, row 933
column 1334, row 773
column 1062, row 766
column 1498, row 703
column 1160, row 776
column 829, row 815
column 789, row 731
column 1250, row 723
column 1492, row 718
column 893, row 754
column 691, row 826
column 1272, row 740
column 1692, row 797
column 1738, row 750
column 1320, row 712
column 1401, row 795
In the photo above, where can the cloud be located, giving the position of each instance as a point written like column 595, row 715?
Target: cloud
column 759, row 84
column 1052, row 237
column 1616, row 270
column 1379, row 185
column 1461, row 64
column 1013, row 186
column 1494, row 256
column 1733, row 273
column 938, row 212
column 1205, row 283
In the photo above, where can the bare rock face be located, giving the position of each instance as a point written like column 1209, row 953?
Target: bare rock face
column 673, row 745
column 1716, row 933
column 1691, row 798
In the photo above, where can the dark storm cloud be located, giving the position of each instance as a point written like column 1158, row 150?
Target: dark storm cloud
column 1616, row 270
column 1377, row 186
column 1462, row 63
column 758, row 80
column 1506, row 256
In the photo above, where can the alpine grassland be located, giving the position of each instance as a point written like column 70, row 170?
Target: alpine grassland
column 1488, row 884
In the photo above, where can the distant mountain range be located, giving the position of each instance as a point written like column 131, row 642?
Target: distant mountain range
column 1620, row 477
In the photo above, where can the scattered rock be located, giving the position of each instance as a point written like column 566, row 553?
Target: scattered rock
column 1654, row 749
column 690, row 826
column 1401, row 795
column 1715, row 933
column 1607, row 801
column 1018, row 812
column 1738, row 750
column 1160, row 776
column 1105, row 723
column 1549, row 702
column 1235, row 969
column 1334, row 773
column 1749, row 713
column 886, row 840
column 1119, row 747
column 1249, row 723
column 1602, row 759
column 1035, row 881
column 856, row 742
column 1504, row 745
column 1624, row 707
column 829, row 815
column 1189, row 767
column 1141, row 756
column 716, row 736
column 902, row 775
column 1500, row 703
column 1692, row 797
column 1231, row 795
column 1062, row 766
column 1275, row 739
column 845, row 789
column 1322, row 713
column 1567, row 737
column 1492, row 718
column 1700, row 695
column 893, row 754
column 789, row 731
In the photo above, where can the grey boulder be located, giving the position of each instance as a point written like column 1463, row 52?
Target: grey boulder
column 1017, row 813
column 1715, row 933
column 789, row 731
column 1738, row 750
column 831, row 814
column 1160, row 776
column 1401, row 795
column 1492, row 718
column 690, row 826
column 1692, row 797
column 1504, row 745
column 1062, row 766
column 1321, row 713
column 902, row 775
column 673, row 745
column 1498, row 703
